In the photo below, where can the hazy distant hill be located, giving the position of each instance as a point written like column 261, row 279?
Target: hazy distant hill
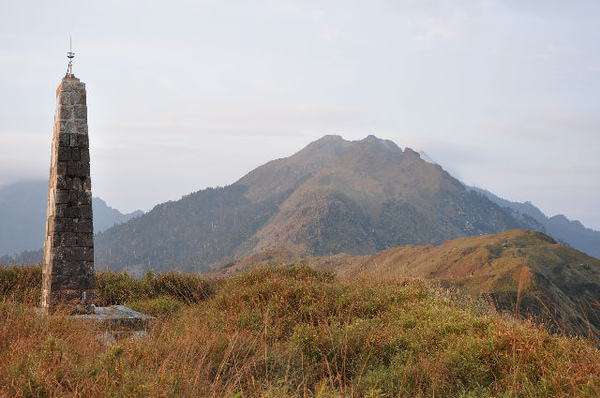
column 333, row 196
column 523, row 272
column 23, row 216
column 105, row 216
column 572, row 233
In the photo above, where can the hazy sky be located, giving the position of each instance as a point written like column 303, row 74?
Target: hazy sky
column 184, row 95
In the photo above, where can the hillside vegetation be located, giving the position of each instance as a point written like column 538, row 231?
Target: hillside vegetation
column 522, row 272
column 277, row 332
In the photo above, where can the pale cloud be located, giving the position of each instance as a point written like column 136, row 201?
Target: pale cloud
column 241, row 119
column 319, row 14
column 19, row 59
column 559, row 51
column 330, row 33
column 437, row 28
column 284, row 5
column 23, row 155
column 548, row 123
column 517, row 129
column 440, row 7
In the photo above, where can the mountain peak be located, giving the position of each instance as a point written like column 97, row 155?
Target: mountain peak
column 333, row 138
column 329, row 145
column 380, row 143
column 333, row 196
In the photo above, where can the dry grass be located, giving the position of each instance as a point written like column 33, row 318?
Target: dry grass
column 293, row 332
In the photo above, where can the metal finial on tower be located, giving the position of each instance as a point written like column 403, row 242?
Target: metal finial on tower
column 70, row 55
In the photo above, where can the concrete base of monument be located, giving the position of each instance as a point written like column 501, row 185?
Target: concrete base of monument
column 117, row 321
column 113, row 317
column 117, row 316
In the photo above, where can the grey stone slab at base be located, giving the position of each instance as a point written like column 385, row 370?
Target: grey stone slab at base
column 117, row 316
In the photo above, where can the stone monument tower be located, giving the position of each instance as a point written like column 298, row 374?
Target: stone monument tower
column 68, row 270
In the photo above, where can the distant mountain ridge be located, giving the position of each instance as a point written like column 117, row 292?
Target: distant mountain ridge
column 571, row 233
column 23, row 217
column 333, row 196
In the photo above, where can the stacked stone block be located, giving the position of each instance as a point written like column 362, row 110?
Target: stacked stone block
column 68, row 269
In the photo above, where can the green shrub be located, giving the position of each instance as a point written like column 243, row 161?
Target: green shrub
column 24, row 284
column 120, row 288
column 187, row 288
column 117, row 288
column 159, row 306
column 21, row 283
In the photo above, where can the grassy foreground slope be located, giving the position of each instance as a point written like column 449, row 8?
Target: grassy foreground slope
column 526, row 272
column 523, row 272
column 277, row 332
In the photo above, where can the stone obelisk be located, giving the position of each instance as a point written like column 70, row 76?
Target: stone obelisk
column 68, row 270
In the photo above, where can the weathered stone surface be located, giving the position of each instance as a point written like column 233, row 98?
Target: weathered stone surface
column 80, row 112
column 72, row 168
column 61, row 168
column 86, row 210
column 62, row 195
column 84, row 156
column 64, row 154
column 118, row 316
column 68, row 269
column 75, row 154
column 65, row 112
column 82, row 128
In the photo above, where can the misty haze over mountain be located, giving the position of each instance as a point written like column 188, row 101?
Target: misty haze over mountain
column 23, row 216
